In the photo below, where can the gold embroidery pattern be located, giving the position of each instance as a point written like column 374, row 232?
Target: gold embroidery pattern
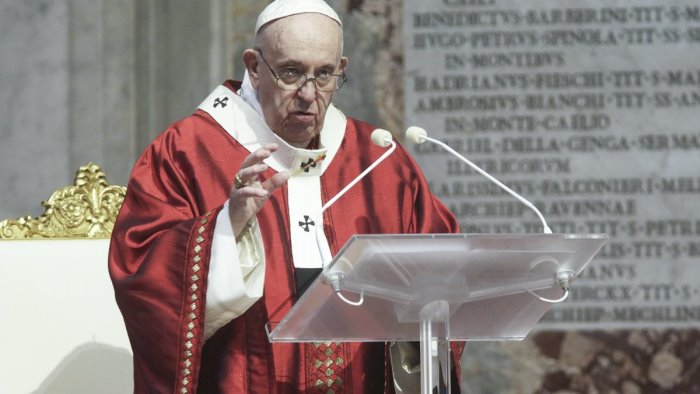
column 86, row 210
column 328, row 367
column 192, row 324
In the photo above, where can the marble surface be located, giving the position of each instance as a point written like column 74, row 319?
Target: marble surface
column 625, row 362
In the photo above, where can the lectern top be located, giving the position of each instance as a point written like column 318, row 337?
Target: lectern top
column 483, row 277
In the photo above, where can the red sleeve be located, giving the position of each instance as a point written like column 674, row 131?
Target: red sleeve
column 158, row 262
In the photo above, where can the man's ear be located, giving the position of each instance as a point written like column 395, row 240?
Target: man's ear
column 250, row 59
column 343, row 64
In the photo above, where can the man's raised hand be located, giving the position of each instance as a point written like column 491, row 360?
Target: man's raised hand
column 248, row 194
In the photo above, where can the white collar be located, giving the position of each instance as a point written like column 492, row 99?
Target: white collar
column 248, row 127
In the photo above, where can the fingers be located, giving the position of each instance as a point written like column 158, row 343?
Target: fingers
column 240, row 196
column 248, row 195
column 259, row 191
column 274, row 182
column 259, row 155
column 253, row 165
column 251, row 173
column 246, row 185
column 252, row 197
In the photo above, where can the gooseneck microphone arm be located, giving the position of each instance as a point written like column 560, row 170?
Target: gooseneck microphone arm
column 380, row 139
column 419, row 136
column 383, row 139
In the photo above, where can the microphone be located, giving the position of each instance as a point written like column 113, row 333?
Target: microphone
column 418, row 135
column 382, row 138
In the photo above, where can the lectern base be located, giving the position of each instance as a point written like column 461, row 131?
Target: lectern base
column 435, row 347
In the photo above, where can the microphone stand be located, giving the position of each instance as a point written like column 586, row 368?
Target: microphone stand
column 381, row 138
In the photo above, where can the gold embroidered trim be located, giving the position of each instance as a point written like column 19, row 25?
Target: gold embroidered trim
column 193, row 306
column 328, row 365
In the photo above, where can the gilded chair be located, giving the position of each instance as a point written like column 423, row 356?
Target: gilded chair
column 61, row 328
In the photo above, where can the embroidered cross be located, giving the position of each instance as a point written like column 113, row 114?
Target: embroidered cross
column 306, row 223
column 220, row 101
column 307, row 166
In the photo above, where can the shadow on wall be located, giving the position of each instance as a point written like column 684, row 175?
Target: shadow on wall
column 91, row 368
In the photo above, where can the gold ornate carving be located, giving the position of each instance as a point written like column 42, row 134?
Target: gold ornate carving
column 86, row 210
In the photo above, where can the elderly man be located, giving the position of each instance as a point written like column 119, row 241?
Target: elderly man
column 216, row 234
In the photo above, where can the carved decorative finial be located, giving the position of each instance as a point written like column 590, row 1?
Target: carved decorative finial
column 86, row 210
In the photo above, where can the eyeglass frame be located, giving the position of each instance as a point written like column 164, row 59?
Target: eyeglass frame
column 342, row 78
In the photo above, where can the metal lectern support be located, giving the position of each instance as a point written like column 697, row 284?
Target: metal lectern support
column 435, row 347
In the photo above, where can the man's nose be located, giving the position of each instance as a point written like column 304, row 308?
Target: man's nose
column 307, row 91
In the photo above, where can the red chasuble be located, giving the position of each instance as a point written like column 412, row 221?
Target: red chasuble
column 159, row 260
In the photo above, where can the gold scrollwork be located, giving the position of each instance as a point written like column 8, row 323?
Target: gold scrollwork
column 86, row 210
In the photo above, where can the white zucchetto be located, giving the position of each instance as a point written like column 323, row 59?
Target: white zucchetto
column 284, row 8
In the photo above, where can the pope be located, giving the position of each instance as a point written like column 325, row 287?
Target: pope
column 216, row 235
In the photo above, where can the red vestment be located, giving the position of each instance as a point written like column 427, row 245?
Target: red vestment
column 160, row 253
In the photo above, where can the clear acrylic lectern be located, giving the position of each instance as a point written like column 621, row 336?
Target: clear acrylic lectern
column 436, row 288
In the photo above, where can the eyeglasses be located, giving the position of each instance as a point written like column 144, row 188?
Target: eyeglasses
column 289, row 78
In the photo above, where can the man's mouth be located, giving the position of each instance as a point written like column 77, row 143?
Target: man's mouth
column 303, row 116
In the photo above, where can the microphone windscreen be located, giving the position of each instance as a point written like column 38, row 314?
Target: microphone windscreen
column 381, row 138
column 416, row 134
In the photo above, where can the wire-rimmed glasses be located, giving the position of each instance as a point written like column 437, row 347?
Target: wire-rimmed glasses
column 290, row 78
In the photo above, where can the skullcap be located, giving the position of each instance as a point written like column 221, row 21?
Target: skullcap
column 284, row 8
